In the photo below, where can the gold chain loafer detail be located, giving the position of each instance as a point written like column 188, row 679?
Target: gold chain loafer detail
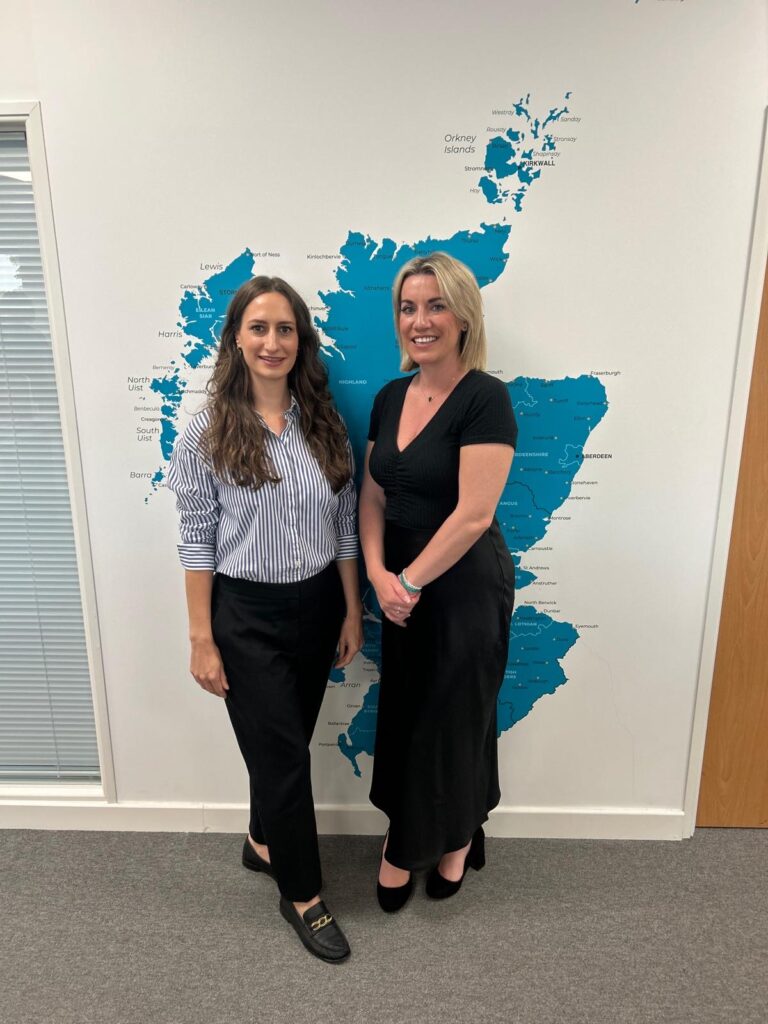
column 321, row 922
column 318, row 931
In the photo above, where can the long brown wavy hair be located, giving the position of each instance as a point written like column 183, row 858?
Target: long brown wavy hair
column 234, row 439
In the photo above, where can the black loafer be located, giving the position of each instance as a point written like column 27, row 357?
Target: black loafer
column 254, row 862
column 318, row 930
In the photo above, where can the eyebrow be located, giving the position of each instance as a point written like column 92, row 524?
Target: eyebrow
column 435, row 298
column 261, row 320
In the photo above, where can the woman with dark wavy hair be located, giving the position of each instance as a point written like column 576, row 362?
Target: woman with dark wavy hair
column 263, row 482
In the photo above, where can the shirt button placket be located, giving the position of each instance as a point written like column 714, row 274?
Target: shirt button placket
column 292, row 510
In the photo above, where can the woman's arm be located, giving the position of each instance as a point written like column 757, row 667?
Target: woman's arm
column 349, row 581
column 390, row 592
column 372, row 504
column 197, row 502
column 351, row 636
column 483, row 471
column 205, row 661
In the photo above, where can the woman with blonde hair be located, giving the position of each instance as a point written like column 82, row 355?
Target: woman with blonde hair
column 263, row 482
column 441, row 443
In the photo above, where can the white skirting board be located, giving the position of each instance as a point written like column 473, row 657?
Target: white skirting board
column 78, row 812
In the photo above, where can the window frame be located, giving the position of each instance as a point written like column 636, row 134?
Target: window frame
column 27, row 117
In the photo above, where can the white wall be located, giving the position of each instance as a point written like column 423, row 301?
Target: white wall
column 179, row 134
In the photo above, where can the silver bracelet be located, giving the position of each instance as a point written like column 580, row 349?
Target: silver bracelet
column 407, row 585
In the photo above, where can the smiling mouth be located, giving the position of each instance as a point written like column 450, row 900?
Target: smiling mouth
column 272, row 360
column 426, row 340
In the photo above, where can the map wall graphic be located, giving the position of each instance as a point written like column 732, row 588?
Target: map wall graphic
column 556, row 417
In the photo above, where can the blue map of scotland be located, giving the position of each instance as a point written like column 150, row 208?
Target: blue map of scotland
column 555, row 417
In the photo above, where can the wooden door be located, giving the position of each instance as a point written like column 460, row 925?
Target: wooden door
column 734, row 780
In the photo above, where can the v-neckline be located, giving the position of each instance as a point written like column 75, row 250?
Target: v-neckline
column 448, row 397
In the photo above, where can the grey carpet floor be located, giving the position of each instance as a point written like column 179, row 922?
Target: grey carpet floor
column 169, row 929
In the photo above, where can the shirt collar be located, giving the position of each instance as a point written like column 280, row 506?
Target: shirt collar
column 292, row 413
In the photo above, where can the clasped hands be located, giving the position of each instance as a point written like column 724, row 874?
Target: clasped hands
column 395, row 601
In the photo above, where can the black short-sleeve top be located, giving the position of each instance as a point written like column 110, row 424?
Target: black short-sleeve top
column 421, row 482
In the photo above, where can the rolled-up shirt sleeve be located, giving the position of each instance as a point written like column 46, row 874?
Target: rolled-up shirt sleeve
column 198, row 506
column 346, row 517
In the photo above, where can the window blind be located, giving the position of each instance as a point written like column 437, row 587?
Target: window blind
column 47, row 727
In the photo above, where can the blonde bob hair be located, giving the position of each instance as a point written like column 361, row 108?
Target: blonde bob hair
column 461, row 293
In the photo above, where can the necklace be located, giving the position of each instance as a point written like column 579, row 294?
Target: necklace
column 445, row 391
column 273, row 412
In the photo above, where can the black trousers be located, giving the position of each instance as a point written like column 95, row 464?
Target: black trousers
column 277, row 643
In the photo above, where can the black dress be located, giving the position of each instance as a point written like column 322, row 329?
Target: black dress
column 435, row 772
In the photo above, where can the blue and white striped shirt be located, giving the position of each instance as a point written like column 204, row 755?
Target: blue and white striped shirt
column 277, row 533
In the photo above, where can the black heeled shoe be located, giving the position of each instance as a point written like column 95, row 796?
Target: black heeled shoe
column 439, row 888
column 393, row 897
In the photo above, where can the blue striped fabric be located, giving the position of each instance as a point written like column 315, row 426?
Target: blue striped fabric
column 279, row 533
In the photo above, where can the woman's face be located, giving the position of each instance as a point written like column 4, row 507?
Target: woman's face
column 268, row 337
column 429, row 330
